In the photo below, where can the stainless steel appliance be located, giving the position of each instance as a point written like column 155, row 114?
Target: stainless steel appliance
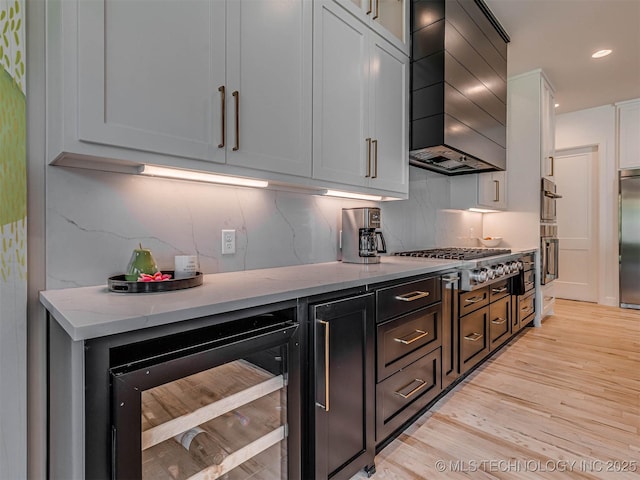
column 362, row 241
column 480, row 266
column 548, row 197
column 549, row 250
column 630, row 239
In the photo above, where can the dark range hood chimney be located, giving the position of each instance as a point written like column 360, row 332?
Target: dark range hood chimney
column 458, row 87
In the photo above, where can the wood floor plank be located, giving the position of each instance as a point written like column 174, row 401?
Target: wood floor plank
column 560, row 401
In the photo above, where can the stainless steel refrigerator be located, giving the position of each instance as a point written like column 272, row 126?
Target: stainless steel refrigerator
column 630, row 239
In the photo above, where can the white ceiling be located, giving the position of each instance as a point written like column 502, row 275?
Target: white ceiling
column 559, row 36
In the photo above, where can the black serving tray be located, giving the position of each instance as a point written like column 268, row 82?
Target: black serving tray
column 118, row 283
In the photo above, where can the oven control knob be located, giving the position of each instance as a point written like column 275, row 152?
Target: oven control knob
column 478, row 276
column 500, row 269
column 519, row 265
column 491, row 273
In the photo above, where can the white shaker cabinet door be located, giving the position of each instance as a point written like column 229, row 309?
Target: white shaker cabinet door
column 629, row 134
column 548, row 130
column 389, row 100
column 148, row 75
column 269, row 63
column 341, row 139
column 492, row 191
column 388, row 18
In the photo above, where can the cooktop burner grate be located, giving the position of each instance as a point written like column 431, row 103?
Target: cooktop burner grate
column 455, row 253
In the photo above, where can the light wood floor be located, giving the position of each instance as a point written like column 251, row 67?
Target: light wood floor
column 560, row 401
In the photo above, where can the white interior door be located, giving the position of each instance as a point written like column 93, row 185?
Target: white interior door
column 577, row 215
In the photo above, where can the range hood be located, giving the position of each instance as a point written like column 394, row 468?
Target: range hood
column 458, row 87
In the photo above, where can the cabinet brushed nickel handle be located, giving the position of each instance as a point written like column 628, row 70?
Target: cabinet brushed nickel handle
column 405, row 341
column 368, row 140
column 474, row 299
column 411, row 296
column 474, row 337
column 412, row 392
column 498, row 321
column 499, row 290
column 497, row 195
column 552, row 162
column 326, row 364
column 236, row 96
column 375, row 157
column 223, row 115
column 377, row 9
column 370, row 7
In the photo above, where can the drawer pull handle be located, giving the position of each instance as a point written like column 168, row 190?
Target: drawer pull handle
column 474, row 299
column 498, row 321
column 525, row 309
column 499, row 290
column 412, row 392
column 548, row 299
column 405, row 341
column 474, row 337
column 411, row 296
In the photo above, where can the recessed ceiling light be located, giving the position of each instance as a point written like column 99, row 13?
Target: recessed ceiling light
column 601, row 53
column 557, row 105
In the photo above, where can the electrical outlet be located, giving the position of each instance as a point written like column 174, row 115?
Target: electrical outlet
column 228, row 242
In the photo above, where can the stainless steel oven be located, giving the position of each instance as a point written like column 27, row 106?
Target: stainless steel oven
column 549, row 249
column 548, row 197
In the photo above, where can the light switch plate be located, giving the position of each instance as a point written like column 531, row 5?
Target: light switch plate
column 228, row 242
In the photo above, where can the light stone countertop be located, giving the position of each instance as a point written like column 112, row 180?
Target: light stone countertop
column 90, row 312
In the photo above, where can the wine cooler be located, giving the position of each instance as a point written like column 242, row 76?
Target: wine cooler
column 215, row 402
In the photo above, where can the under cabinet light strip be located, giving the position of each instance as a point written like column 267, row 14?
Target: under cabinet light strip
column 357, row 196
column 179, row 174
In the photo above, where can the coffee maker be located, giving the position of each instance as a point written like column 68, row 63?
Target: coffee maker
column 361, row 241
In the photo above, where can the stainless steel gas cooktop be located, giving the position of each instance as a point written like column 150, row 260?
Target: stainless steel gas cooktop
column 455, row 253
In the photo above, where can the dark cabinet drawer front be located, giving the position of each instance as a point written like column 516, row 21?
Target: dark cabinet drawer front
column 526, row 309
column 529, row 280
column 499, row 321
column 474, row 344
column 499, row 290
column 528, row 262
column 470, row 301
column 406, row 338
column 405, row 298
column 402, row 395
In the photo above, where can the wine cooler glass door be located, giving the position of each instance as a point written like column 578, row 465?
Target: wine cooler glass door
column 221, row 412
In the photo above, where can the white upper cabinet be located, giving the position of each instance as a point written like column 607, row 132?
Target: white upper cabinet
column 144, row 83
column 485, row 191
column 227, row 82
column 389, row 81
column 360, row 108
column 629, row 134
column 388, row 18
column 548, row 129
column 269, row 64
column 492, row 190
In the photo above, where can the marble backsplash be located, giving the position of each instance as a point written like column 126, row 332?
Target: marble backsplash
column 96, row 219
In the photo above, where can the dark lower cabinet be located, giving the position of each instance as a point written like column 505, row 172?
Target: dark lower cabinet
column 343, row 359
column 474, row 338
column 404, row 394
column 500, row 322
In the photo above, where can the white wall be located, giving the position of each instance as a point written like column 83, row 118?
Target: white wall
column 597, row 127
